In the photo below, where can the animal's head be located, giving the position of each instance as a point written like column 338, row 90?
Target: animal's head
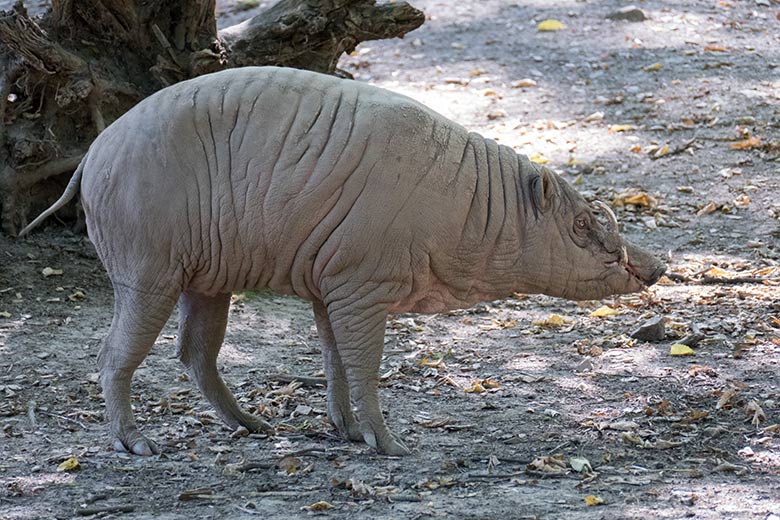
column 579, row 257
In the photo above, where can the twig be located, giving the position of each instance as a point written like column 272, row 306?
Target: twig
column 165, row 44
column 64, row 418
column 304, row 380
column 31, row 414
column 89, row 511
column 717, row 280
column 680, row 149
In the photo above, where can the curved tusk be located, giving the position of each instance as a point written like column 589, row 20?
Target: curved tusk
column 610, row 214
column 623, row 256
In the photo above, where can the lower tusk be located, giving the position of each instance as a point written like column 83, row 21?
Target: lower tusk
column 623, row 256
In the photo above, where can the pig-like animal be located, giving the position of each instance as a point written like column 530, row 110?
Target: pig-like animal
column 360, row 200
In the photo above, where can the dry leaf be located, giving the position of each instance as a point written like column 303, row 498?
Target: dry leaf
column 318, row 506
column 637, row 199
column 710, row 207
column 48, row 271
column 747, row 143
column 715, row 48
column 726, row 398
column 490, row 383
column 550, row 25
column 579, row 464
column 653, row 68
column 538, row 158
column 593, row 500
column 553, row 464
column 604, row 311
column 70, row 464
column 754, row 409
column 621, row 128
column 475, row 388
column 553, row 320
column 678, row 349
column 523, row 83
column 5, row 314
column 433, row 363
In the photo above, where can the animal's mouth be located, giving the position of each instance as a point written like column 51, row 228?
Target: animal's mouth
column 644, row 278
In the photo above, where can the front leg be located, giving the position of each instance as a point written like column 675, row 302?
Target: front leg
column 358, row 323
column 339, row 405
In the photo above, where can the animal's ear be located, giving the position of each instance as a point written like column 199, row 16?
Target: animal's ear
column 544, row 189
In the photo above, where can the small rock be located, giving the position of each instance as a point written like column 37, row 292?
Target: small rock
column 653, row 329
column 692, row 339
column 763, row 3
column 629, row 13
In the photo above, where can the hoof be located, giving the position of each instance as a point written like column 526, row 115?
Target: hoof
column 255, row 424
column 140, row 445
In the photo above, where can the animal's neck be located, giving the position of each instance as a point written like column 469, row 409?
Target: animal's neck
column 493, row 236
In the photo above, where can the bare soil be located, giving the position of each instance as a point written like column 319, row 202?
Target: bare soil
column 500, row 401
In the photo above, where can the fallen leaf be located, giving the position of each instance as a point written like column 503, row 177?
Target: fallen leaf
column 604, row 311
column 553, row 320
column 490, row 383
column 553, row 464
column 747, row 143
column 710, row 207
column 523, row 83
column 538, row 158
column 593, row 500
column 678, row 349
column 653, row 68
column 550, row 25
column 318, row 506
column 48, row 271
column 715, row 48
column 636, row 148
column 70, row 464
column 579, row 464
column 726, row 398
column 754, row 409
column 621, row 128
column 5, row 314
column 641, row 198
column 475, row 388
column 433, row 363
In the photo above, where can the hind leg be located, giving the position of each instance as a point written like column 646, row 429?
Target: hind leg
column 202, row 322
column 339, row 406
column 138, row 319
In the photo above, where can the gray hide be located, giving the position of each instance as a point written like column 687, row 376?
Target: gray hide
column 360, row 200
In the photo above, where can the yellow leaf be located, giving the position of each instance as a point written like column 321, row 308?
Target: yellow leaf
column 717, row 271
column 621, row 128
column 490, row 383
column 593, row 500
column 663, row 151
column 640, row 199
column 636, row 148
column 5, row 314
column 604, row 311
column 539, row 158
column 550, row 25
column 433, row 363
column 475, row 388
column 554, row 320
column 678, row 349
column 653, row 68
column 71, row 464
column 747, row 143
column 319, row 506
column 715, row 48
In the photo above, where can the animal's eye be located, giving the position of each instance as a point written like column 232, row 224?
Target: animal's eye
column 581, row 222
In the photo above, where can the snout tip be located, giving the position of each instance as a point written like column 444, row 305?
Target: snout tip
column 655, row 275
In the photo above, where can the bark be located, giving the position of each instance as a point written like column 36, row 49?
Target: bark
column 66, row 75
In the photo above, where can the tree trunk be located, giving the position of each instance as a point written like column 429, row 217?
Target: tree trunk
column 66, row 75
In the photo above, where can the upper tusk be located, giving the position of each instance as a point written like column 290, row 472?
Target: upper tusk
column 610, row 214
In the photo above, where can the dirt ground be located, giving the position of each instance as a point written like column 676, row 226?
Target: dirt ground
column 528, row 408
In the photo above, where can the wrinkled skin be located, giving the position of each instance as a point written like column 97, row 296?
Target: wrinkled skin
column 360, row 200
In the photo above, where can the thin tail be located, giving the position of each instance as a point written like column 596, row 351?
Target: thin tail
column 70, row 191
